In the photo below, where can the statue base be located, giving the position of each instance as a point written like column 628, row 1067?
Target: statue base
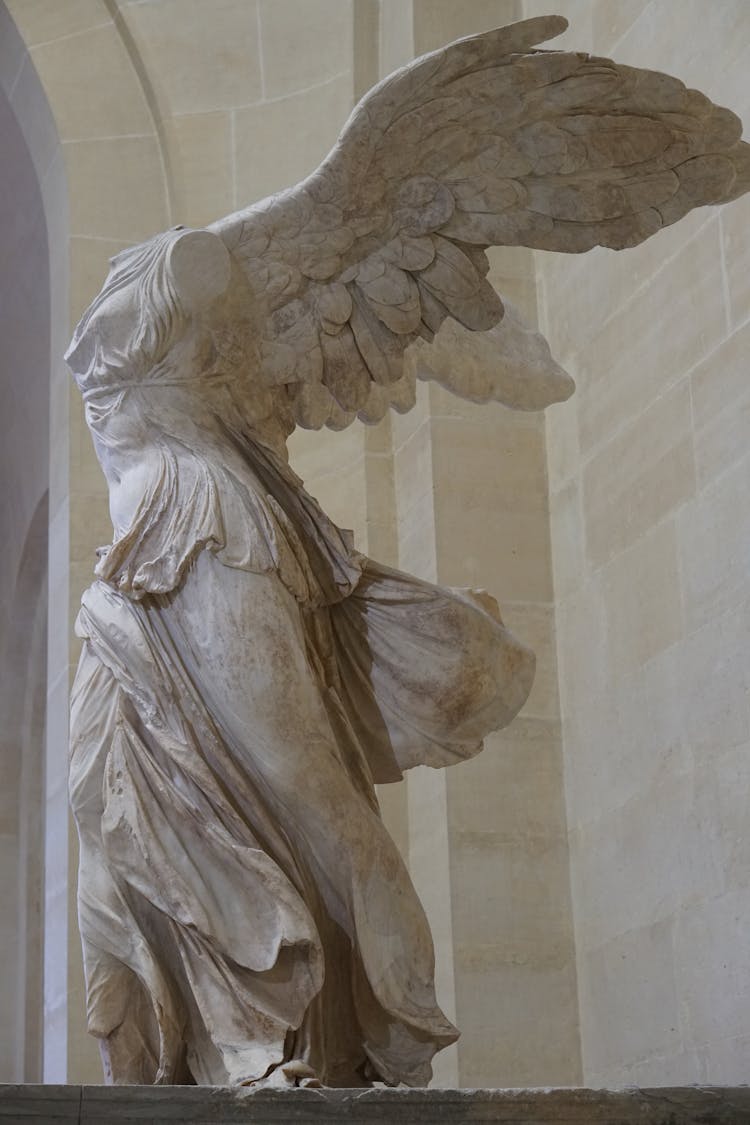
column 207, row 1105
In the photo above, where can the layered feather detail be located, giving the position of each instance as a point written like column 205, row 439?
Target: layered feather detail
column 486, row 142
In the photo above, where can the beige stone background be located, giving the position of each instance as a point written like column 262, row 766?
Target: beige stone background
column 588, row 878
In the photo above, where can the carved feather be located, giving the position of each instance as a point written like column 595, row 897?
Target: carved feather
column 486, row 142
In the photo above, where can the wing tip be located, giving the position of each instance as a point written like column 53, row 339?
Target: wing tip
column 542, row 28
column 515, row 38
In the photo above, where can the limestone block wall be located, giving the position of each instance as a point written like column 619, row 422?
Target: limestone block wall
column 650, row 521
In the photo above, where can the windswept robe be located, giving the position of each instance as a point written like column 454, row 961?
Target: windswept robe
column 246, row 679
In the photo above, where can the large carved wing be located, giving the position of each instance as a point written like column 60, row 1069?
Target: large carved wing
column 486, row 142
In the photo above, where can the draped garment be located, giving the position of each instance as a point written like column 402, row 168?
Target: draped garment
column 246, row 679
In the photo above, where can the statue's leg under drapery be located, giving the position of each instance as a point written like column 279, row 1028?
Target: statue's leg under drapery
column 224, row 738
column 263, row 686
column 269, row 915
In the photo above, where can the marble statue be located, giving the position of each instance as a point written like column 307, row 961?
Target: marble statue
column 247, row 676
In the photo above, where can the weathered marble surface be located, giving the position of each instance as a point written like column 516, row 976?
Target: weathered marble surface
column 246, row 675
column 97, row 1105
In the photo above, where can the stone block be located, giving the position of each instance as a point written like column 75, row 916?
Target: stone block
column 317, row 453
column 688, row 1066
column 198, row 64
column 404, row 425
column 40, row 21
column 727, row 781
column 413, row 473
column 712, row 678
column 382, row 541
column 72, row 67
column 563, row 447
column 643, row 600
column 724, row 33
column 416, row 544
column 720, row 392
column 515, row 784
column 577, row 12
column 712, row 965
column 320, row 456
column 117, row 189
column 714, row 539
column 567, row 540
column 514, row 896
column 584, row 672
column 303, row 45
column 508, row 556
column 643, row 473
column 280, row 142
column 632, row 974
column 666, row 329
column 93, row 1105
column 724, row 441
column 489, row 464
column 734, row 224
column 627, row 742
column 518, row 1022
column 200, row 154
column 726, row 1058
column 584, row 293
column 437, row 22
column 379, row 438
column 660, row 850
column 610, row 19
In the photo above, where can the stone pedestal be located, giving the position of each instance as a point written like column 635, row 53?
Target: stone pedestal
column 96, row 1105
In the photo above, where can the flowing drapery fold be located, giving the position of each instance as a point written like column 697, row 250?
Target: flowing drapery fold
column 213, row 935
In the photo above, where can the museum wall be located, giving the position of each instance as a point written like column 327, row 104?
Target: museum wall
column 650, row 516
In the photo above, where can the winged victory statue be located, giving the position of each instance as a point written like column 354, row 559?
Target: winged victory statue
column 247, row 676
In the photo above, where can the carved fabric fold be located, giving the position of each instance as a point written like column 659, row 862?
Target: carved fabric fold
column 219, row 946
column 425, row 672
column 223, row 491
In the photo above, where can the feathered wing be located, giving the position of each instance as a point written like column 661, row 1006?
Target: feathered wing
column 485, row 142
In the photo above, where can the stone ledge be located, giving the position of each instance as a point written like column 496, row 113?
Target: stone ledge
column 202, row 1105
